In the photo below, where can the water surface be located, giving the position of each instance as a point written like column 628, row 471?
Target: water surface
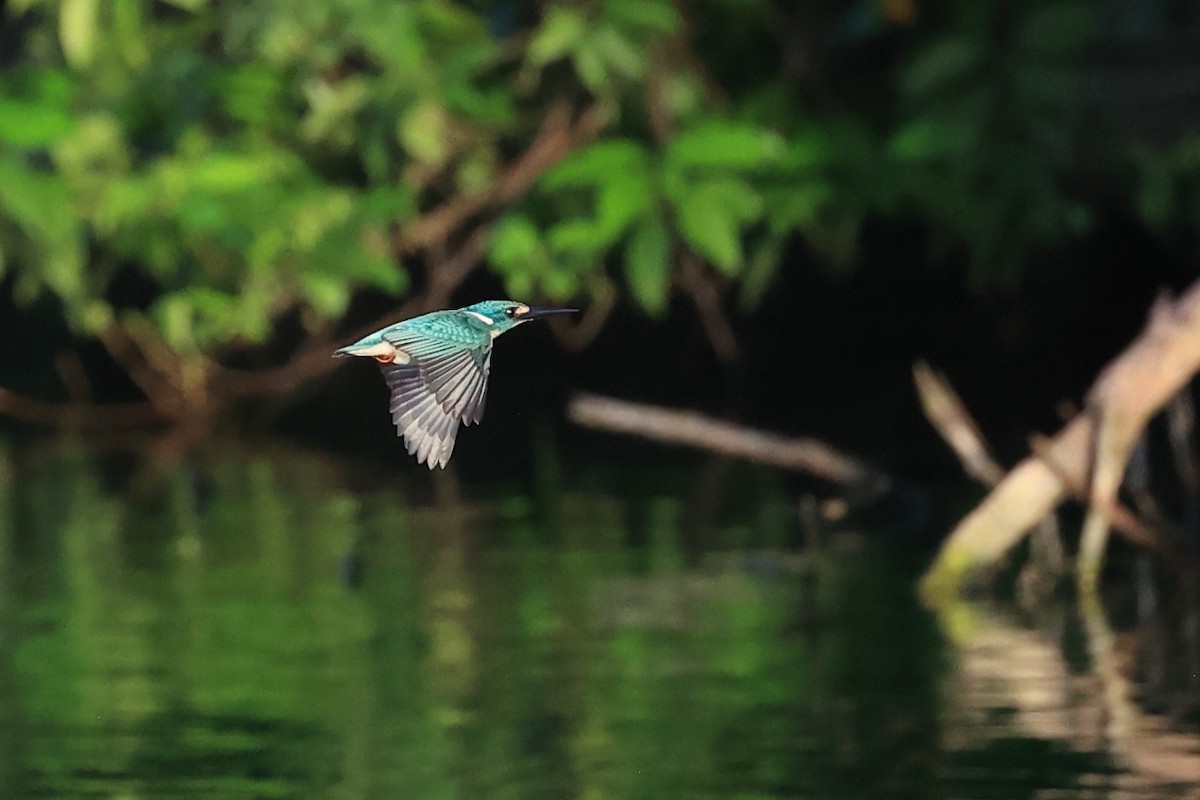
column 249, row 625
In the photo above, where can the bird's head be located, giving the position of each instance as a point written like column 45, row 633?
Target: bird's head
column 499, row 316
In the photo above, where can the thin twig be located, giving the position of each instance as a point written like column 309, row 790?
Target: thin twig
column 28, row 409
column 578, row 335
column 948, row 415
column 556, row 137
column 74, row 377
column 708, row 303
column 450, row 271
column 132, row 356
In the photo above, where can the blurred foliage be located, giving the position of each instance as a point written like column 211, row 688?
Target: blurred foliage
column 241, row 160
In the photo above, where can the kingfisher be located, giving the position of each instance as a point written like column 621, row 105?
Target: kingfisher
column 437, row 365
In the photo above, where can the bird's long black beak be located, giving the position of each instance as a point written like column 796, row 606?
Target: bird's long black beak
column 537, row 311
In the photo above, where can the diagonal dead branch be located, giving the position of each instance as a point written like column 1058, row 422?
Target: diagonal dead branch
column 1126, row 522
column 950, row 417
column 945, row 410
column 1134, row 386
column 1129, row 391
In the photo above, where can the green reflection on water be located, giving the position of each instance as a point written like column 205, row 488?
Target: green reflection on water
column 200, row 630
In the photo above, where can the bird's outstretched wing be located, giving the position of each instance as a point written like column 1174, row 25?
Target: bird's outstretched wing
column 442, row 385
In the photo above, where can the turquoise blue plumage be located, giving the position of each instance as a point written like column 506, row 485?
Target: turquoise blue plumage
column 436, row 367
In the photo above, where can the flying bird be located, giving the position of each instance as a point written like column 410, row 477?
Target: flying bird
column 437, row 366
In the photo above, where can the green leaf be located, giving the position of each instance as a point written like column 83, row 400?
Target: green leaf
column 710, row 224
column 327, row 294
column 253, row 94
column 396, row 38
column 560, row 33
column 651, row 16
column 173, row 314
column 424, row 132
column 29, row 124
column 43, row 207
column 386, row 204
column 807, row 149
column 745, row 203
column 515, row 243
column 452, row 20
column 761, row 268
column 588, row 59
column 596, row 164
column 519, row 284
column 941, row 67
column 559, row 284
column 932, row 138
column 127, row 35
column 736, row 198
column 682, row 94
column 475, row 171
column 795, row 205
column 578, row 237
column 77, row 30
column 621, row 200
column 229, row 172
column 725, row 144
column 491, row 106
column 625, row 57
column 1058, row 29
column 648, row 265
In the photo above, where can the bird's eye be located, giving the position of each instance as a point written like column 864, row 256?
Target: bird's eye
column 510, row 312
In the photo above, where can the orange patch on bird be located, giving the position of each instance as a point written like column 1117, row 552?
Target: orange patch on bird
column 389, row 358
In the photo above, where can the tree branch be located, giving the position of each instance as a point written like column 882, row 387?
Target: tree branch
column 692, row 429
column 86, row 415
column 708, row 303
column 557, row 136
column 1091, row 451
